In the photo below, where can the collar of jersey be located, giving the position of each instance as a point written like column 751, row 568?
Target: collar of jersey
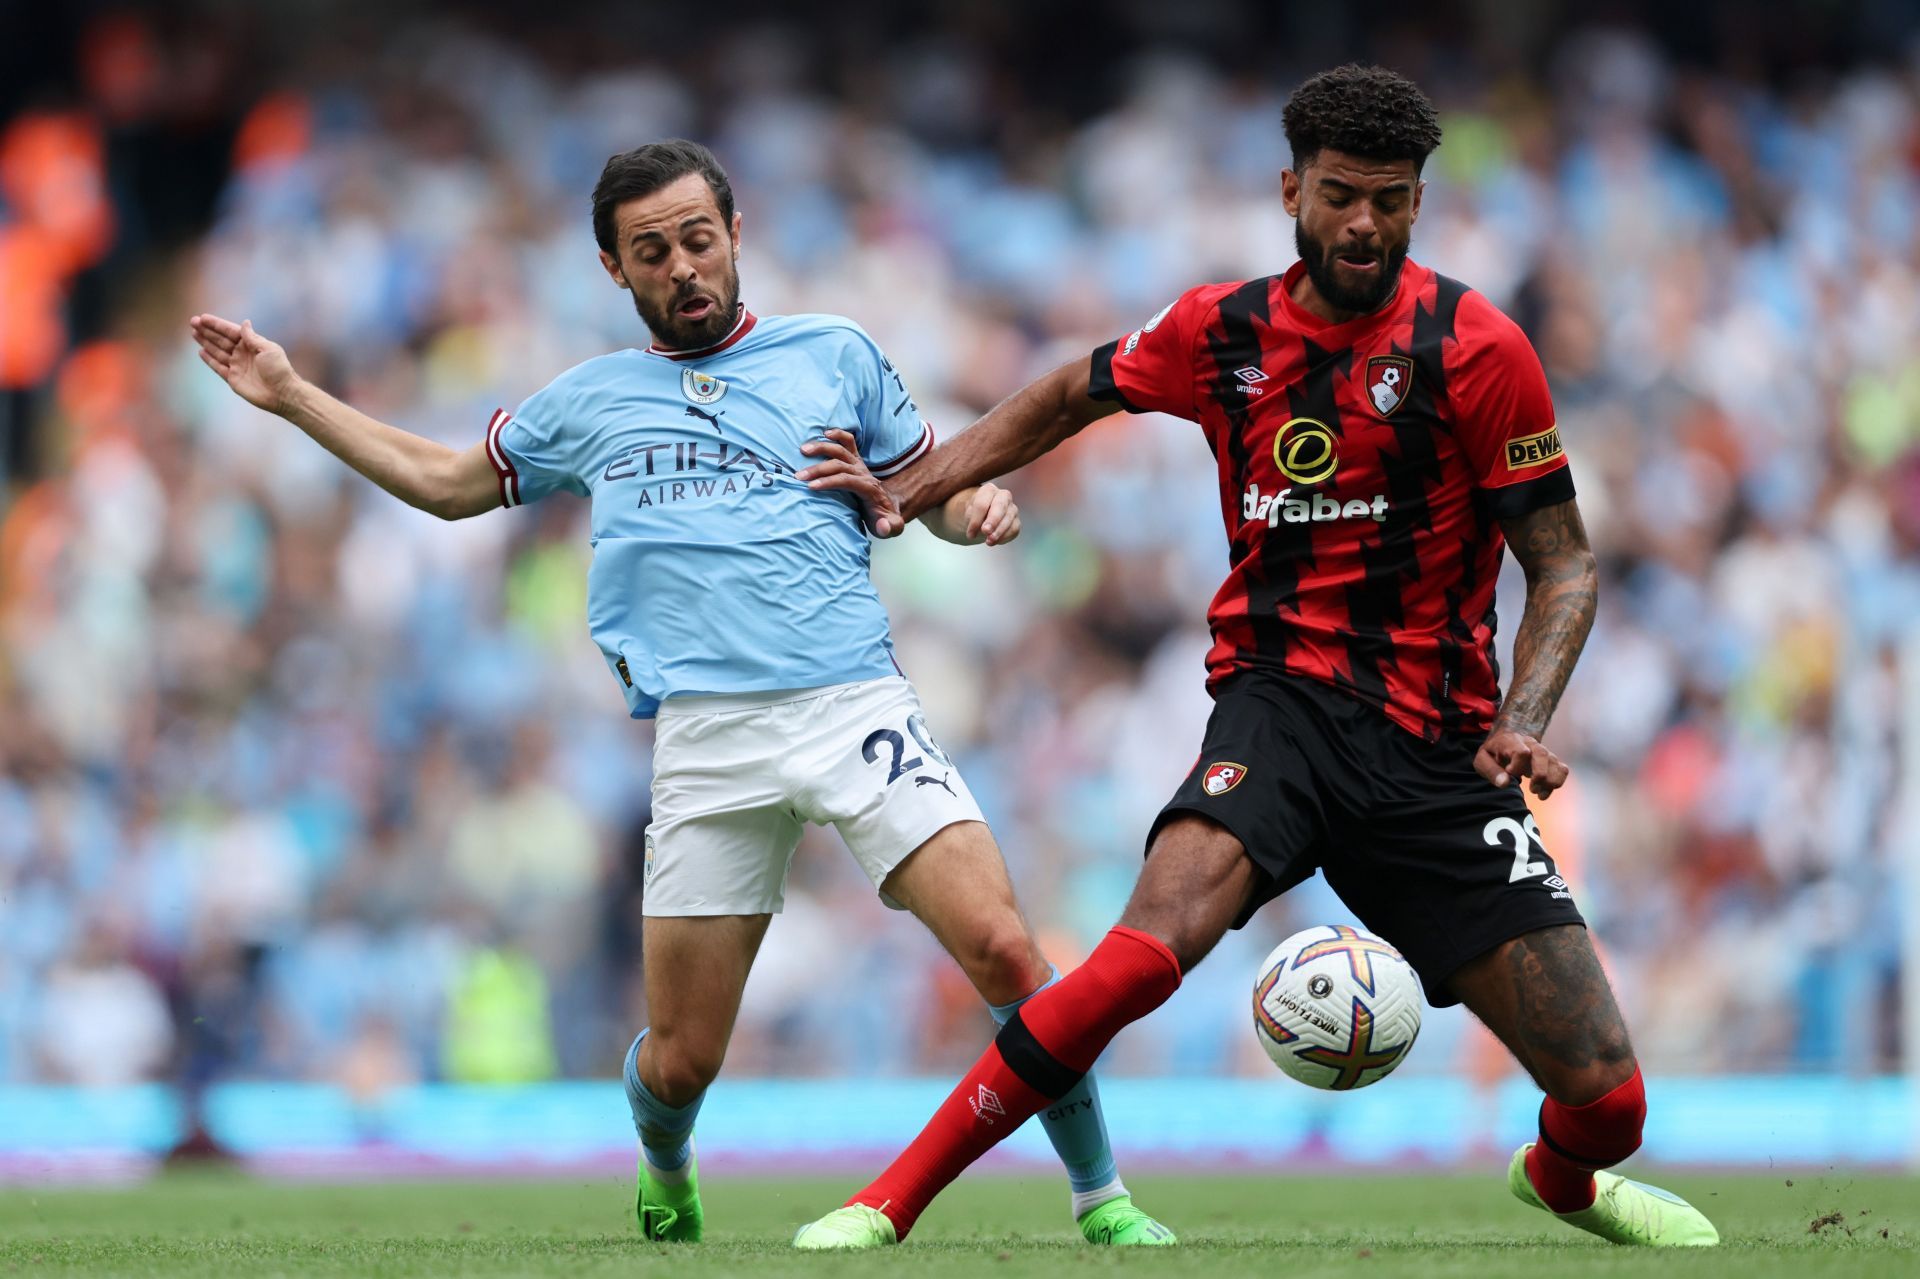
column 741, row 327
column 1411, row 281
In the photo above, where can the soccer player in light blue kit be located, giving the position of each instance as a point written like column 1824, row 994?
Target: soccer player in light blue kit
column 731, row 600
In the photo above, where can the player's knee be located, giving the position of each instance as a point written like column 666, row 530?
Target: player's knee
column 1605, row 1064
column 681, row 1072
column 1004, row 962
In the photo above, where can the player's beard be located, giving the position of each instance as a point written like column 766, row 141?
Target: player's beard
column 1357, row 299
column 677, row 334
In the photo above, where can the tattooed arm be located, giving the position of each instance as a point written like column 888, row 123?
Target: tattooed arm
column 1562, row 591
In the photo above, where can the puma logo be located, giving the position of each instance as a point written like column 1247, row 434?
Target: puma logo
column 713, row 418
column 941, row 782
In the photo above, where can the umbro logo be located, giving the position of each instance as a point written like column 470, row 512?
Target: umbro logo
column 1250, row 379
column 986, row 1105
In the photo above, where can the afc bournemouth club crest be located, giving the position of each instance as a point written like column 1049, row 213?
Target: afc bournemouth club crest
column 1221, row 778
column 1389, row 379
column 700, row 387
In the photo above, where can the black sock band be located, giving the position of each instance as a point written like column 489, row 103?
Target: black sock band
column 1584, row 1161
column 1038, row 1069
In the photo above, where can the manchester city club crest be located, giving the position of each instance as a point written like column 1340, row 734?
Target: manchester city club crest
column 1389, row 379
column 700, row 387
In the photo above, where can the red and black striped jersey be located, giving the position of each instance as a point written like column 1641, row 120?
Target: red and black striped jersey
column 1364, row 469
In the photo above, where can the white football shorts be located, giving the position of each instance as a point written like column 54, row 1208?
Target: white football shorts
column 736, row 777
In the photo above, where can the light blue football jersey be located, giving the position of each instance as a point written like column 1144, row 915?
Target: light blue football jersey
column 714, row 569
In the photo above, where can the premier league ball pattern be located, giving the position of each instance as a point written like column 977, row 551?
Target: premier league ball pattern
column 1336, row 1008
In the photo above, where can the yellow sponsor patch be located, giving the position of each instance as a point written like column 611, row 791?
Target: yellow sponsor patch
column 1531, row 450
column 1304, row 451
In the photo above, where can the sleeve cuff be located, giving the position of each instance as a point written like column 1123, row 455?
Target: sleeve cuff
column 1514, row 500
column 920, row 449
column 502, row 464
column 1100, row 383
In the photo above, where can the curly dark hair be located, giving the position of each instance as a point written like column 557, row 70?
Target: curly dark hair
column 1365, row 111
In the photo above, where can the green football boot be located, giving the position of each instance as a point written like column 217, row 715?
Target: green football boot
column 848, row 1229
column 1623, row 1211
column 669, row 1211
column 1118, row 1223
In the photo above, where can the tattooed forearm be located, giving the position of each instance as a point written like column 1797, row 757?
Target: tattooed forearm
column 1562, row 593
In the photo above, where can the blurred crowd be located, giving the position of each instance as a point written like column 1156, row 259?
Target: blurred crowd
column 297, row 782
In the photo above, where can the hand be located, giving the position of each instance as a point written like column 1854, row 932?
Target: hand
column 256, row 369
column 1507, row 755
column 841, row 467
column 992, row 512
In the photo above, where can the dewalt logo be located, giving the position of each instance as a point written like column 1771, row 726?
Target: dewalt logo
column 1531, row 450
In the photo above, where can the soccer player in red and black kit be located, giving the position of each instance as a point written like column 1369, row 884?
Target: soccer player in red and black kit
column 1383, row 432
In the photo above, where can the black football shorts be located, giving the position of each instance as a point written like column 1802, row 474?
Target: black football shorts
column 1429, row 854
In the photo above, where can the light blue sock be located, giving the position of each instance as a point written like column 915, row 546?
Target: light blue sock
column 1078, row 1132
column 666, row 1132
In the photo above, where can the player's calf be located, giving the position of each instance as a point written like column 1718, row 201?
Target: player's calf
column 958, row 886
column 1571, row 1036
column 1567, row 1027
column 1197, row 880
column 666, row 1200
column 1547, row 998
column 696, row 967
column 1039, row 1056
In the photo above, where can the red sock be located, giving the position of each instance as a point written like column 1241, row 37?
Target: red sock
column 1574, row 1140
column 1040, row 1054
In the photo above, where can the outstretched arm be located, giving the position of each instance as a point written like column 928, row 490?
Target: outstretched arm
column 1563, row 589
column 420, row 472
column 1019, row 429
column 1030, row 422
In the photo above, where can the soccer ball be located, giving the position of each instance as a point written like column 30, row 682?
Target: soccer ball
column 1336, row 1008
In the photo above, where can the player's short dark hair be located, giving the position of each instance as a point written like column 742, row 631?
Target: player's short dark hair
column 646, row 169
column 1365, row 111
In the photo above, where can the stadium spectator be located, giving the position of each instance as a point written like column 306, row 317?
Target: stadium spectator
column 259, row 711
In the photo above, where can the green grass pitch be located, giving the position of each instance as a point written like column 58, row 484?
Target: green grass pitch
column 1004, row 1226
